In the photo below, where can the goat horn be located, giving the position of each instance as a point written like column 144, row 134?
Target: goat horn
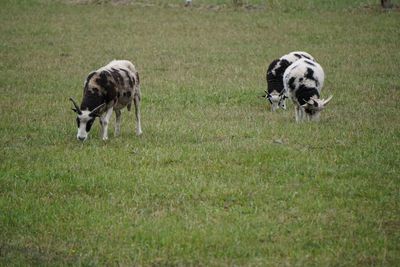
column 327, row 100
column 309, row 102
column 78, row 110
column 264, row 95
column 92, row 113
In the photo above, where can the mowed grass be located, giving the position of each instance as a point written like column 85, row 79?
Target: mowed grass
column 216, row 179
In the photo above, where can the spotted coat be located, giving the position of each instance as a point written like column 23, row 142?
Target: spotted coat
column 303, row 80
column 110, row 88
column 275, row 93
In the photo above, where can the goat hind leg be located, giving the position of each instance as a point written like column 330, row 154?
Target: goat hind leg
column 136, row 100
column 117, row 122
column 297, row 113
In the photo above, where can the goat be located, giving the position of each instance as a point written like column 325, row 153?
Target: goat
column 275, row 93
column 303, row 81
column 108, row 89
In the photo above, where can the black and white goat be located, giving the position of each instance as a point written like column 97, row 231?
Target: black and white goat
column 275, row 92
column 303, row 80
column 108, row 89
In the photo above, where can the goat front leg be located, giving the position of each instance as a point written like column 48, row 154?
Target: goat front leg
column 117, row 122
column 136, row 100
column 297, row 113
column 104, row 120
column 273, row 107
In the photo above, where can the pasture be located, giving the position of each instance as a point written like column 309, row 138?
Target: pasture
column 216, row 179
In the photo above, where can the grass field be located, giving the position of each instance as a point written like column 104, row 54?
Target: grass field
column 216, row 179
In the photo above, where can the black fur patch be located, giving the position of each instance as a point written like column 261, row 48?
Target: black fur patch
column 131, row 81
column 304, row 93
column 117, row 77
column 91, row 100
column 102, row 81
column 275, row 81
column 309, row 62
column 105, row 82
column 284, row 65
column 111, row 92
column 310, row 111
column 275, row 84
column 310, row 76
column 78, row 121
column 291, row 84
column 89, row 124
column 272, row 66
column 298, row 55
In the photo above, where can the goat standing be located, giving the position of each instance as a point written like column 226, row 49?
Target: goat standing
column 108, row 89
column 303, row 80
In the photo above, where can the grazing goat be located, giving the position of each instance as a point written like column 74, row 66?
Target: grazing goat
column 109, row 88
column 303, row 80
column 275, row 93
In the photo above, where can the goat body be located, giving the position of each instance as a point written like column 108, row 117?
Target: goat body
column 110, row 88
column 303, row 81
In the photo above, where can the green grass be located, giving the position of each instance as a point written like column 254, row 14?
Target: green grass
column 216, row 179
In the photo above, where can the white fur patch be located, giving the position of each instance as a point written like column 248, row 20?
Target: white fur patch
column 124, row 64
column 298, row 71
column 83, row 120
column 291, row 57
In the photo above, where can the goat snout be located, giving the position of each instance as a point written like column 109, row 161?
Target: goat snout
column 81, row 138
